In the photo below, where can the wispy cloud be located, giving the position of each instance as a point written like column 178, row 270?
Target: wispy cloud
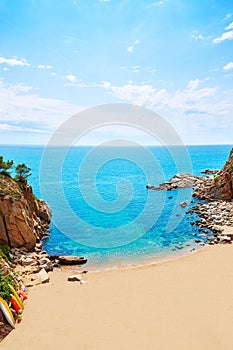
column 230, row 26
column 71, row 78
column 20, row 106
column 131, row 47
column 227, row 35
column 193, row 111
column 228, row 66
column 159, row 3
column 196, row 36
column 229, row 15
column 43, row 66
column 104, row 0
column 14, row 61
column 146, row 95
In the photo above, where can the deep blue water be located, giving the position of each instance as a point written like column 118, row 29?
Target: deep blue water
column 101, row 207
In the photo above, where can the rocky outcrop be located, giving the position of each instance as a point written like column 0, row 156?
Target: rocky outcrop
column 220, row 187
column 69, row 260
column 216, row 216
column 23, row 217
column 209, row 172
column 178, row 181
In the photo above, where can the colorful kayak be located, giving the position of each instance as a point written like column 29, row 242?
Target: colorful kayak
column 7, row 312
column 19, row 301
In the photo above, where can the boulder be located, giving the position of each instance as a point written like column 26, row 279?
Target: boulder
column 71, row 260
column 74, row 278
column 183, row 204
column 224, row 239
column 42, row 276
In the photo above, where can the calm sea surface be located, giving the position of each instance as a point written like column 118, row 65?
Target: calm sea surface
column 101, row 207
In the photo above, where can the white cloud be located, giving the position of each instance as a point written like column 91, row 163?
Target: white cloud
column 104, row 0
column 230, row 26
column 229, row 15
column 146, row 95
column 197, row 36
column 130, row 48
column 228, row 66
column 223, row 37
column 20, row 106
column 151, row 70
column 43, row 66
column 14, row 61
column 159, row 3
column 200, row 113
column 6, row 69
column 13, row 128
column 71, row 78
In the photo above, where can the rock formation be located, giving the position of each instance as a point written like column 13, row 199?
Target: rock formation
column 220, row 187
column 23, row 217
column 178, row 181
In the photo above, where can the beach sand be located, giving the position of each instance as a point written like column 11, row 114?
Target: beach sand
column 184, row 304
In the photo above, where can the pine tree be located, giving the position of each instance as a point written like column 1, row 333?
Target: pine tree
column 5, row 166
column 22, row 173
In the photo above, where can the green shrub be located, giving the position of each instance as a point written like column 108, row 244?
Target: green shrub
column 216, row 178
column 4, row 288
column 5, row 251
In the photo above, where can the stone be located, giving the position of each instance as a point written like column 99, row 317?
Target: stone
column 149, row 186
column 224, row 239
column 26, row 261
column 72, row 260
column 74, row 278
column 183, row 204
column 43, row 276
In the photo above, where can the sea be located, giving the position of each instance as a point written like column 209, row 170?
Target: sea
column 101, row 207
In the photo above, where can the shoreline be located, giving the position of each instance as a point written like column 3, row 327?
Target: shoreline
column 179, row 304
column 153, row 262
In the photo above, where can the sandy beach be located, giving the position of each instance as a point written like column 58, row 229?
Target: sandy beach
column 184, row 304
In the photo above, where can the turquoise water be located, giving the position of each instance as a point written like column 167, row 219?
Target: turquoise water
column 101, row 207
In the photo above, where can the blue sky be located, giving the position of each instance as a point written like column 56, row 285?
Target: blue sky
column 172, row 56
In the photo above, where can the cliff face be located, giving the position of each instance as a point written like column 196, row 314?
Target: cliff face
column 23, row 217
column 220, row 187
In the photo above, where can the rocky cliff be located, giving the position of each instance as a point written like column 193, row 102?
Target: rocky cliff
column 23, row 217
column 220, row 187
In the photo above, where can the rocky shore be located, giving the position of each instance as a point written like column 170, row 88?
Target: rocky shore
column 216, row 216
column 178, row 181
column 216, row 194
column 24, row 222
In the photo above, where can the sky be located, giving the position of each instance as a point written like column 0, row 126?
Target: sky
column 174, row 57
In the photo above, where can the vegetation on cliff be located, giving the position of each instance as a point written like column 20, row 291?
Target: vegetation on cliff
column 23, row 217
column 22, row 172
